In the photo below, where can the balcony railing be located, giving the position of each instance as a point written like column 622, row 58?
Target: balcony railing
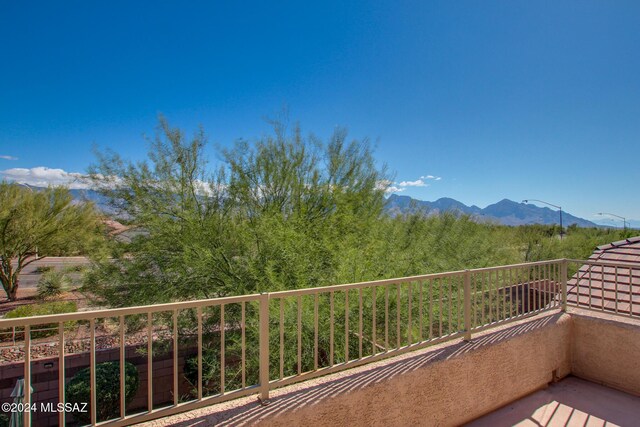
column 252, row 344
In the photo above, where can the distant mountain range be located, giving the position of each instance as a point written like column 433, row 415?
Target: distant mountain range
column 505, row 212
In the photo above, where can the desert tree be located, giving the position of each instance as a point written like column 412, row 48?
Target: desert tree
column 46, row 221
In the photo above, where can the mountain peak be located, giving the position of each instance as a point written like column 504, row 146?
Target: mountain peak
column 506, row 211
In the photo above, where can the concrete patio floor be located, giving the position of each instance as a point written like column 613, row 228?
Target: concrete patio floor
column 570, row 402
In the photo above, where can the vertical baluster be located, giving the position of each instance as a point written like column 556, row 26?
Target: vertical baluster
column 548, row 287
column 590, row 287
column 538, row 288
column 331, row 321
column 360, row 323
column 615, row 287
column 440, row 307
column 449, row 303
column 511, row 286
column 577, row 288
column 602, row 282
column 315, row 332
column 503, row 288
column 522, row 297
column 243, row 339
column 199, row 314
column 386, row 318
column 502, row 298
column 61, row 382
column 176, row 391
column 460, row 301
column 468, row 322
column 430, row 308
column 92, row 370
column 543, row 287
column 300, row 334
column 373, row 320
column 150, row 361
column 346, row 325
column 27, row 375
column 222, row 349
column 529, row 287
column 484, row 300
column 496, row 294
column 123, row 347
column 398, row 305
column 409, row 319
column 491, row 319
column 630, row 292
column 421, row 308
column 474, row 300
column 281, row 338
column 517, row 283
column 558, row 285
column 265, row 386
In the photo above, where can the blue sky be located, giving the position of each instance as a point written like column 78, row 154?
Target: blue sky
column 498, row 99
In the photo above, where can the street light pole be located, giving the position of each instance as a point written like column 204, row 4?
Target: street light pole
column 552, row 205
column 624, row 220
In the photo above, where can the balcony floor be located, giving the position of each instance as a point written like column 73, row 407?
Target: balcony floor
column 570, row 402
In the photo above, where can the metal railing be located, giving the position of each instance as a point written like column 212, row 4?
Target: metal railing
column 255, row 343
column 605, row 286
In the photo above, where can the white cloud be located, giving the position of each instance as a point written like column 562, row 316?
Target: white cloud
column 8, row 158
column 394, row 189
column 417, row 183
column 42, row 177
column 433, row 177
column 388, row 186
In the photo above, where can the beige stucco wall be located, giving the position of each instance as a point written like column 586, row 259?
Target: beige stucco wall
column 606, row 349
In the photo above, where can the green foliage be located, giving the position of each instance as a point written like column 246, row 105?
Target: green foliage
column 540, row 242
column 276, row 215
column 52, row 284
column 78, row 390
column 46, row 222
column 43, row 309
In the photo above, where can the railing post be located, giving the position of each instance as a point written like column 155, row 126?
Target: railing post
column 27, row 376
column 467, row 305
column 264, row 347
column 563, row 275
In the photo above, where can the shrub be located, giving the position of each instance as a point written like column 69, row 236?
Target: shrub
column 52, row 284
column 211, row 367
column 42, row 310
column 210, row 371
column 78, row 390
column 41, row 269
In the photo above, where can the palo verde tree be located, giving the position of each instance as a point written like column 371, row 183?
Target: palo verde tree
column 273, row 214
column 44, row 221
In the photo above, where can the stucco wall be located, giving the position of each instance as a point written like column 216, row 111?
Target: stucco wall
column 606, row 350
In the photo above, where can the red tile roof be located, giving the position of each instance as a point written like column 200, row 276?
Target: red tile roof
column 609, row 288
